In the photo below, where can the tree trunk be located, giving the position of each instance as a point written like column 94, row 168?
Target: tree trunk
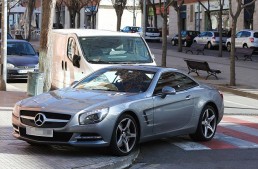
column 45, row 54
column 72, row 18
column 78, row 19
column 119, row 19
column 232, row 54
column 58, row 23
column 30, row 13
column 179, row 27
column 209, row 27
column 164, row 40
column 220, row 31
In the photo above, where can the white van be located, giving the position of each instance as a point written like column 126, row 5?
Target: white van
column 79, row 52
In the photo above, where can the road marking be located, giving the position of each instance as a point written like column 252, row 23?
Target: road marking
column 232, row 133
column 240, row 104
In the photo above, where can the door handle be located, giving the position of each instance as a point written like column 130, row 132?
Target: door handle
column 188, row 97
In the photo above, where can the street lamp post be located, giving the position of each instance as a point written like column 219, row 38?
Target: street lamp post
column 134, row 18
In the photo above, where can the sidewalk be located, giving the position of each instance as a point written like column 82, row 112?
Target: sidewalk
column 246, row 71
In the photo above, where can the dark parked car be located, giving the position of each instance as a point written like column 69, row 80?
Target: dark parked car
column 119, row 107
column 187, row 38
column 131, row 29
column 21, row 58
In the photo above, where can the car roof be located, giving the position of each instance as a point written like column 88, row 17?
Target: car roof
column 93, row 32
column 16, row 40
column 142, row 67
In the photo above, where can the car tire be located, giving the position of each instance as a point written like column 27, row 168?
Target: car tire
column 245, row 46
column 209, row 45
column 185, row 44
column 173, row 43
column 207, row 125
column 125, row 136
column 228, row 47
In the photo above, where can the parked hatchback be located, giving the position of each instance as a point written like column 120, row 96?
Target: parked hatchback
column 187, row 38
column 131, row 29
column 244, row 39
column 210, row 39
column 152, row 34
column 21, row 59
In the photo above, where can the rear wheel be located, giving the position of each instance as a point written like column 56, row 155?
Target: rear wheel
column 209, row 45
column 125, row 136
column 185, row 44
column 245, row 46
column 228, row 47
column 207, row 125
column 173, row 42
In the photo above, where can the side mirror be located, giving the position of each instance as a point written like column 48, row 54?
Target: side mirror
column 76, row 60
column 167, row 91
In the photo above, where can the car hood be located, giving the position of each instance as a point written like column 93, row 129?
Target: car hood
column 27, row 60
column 69, row 100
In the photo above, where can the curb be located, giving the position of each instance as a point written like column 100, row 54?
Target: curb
column 118, row 163
column 237, row 92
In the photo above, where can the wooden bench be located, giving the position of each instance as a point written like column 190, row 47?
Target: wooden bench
column 196, row 65
column 246, row 52
column 199, row 48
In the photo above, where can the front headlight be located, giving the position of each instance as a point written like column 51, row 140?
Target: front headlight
column 16, row 110
column 92, row 117
column 10, row 66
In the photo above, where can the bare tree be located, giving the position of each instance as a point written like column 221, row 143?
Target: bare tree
column 119, row 6
column 177, row 6
column 164, row 15
column 74, row 7
column 221, row 4
column 11, row 5
column 59, row 4
column 208, row 13
column 48, row 7
column 234, row 17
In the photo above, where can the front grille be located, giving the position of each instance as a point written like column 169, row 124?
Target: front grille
column 53, row 120
column 57, row 136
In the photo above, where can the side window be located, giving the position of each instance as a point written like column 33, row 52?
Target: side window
column 71, row 48
column 209, row 34
column 238, row 35
column 176, row 80
column 203, row 34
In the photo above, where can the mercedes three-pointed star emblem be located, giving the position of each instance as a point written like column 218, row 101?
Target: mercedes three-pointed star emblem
column 39, row 119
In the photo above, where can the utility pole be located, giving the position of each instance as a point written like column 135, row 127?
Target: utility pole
column 3, row 61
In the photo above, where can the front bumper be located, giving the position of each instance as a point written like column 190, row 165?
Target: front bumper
column 18, row 73
column 93, row 135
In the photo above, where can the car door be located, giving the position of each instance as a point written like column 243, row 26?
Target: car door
column 174, row 111
column 201, row 38
column 238, row 39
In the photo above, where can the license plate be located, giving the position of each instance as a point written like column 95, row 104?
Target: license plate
column 39, row 132
column 25, row 71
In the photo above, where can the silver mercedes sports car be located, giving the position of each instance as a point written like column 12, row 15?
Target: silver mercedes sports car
column 119, row 107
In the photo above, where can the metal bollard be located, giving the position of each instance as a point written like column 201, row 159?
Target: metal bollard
column 35, row 83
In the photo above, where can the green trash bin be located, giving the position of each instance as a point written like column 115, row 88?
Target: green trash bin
column 35, row 83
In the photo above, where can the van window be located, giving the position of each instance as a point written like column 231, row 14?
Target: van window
column 71, row 48
column 113, row 49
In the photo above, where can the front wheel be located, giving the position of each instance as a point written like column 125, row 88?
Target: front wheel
column 173, row 42
column 207, row 125
column 125, row 136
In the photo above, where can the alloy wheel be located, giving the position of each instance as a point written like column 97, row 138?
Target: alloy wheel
column 126, row 135
column 208, row 123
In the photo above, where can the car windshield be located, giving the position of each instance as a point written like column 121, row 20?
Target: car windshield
column 153, row 30
column 119, row 80
column 112, row 50
column 19, row 48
